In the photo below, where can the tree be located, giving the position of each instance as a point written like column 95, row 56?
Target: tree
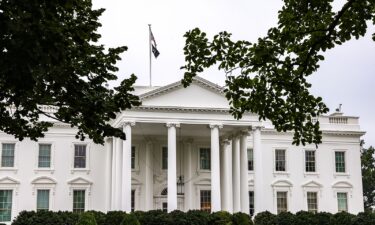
column 368, row 176
column 269, row 77
column 49, row 56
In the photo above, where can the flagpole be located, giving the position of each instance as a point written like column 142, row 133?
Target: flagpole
column 149, row 48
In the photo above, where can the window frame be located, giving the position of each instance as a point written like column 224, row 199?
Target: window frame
column 49, row 198
column 287, row 200
column 44, row 183
column 251, row 214
column 162, row 158
column 15, row 160
column 85, row 200
column 339, row 174
column 50, row 169
column 200, row 199
column 347, row 200
column 252, row 150
column 286, row 172
column 199, row 158
column 306, row 173
column 88, row 151
column 12, row 209
column 317, row 200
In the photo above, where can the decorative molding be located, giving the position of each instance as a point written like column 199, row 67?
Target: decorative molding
column 212, row 126
column 127, row 123
column 172, row 124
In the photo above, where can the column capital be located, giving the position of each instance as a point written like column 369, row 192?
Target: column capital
column 225, row 142
column 215, row 125
column 128, row 123
column 257, row 127
column 172, row 124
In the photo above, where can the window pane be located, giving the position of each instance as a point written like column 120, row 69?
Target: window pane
column 5, row 205
column 7, row 155
column 251, row 203
column 250, row 159
column 165, row 207
column 42, row 202
column 205, row 158
column 79, row 201
column 133, row 158
column 133, row 201
column 340, row 162
column 282, row 202
column 310, row 161
column 44, row 158
column 165, row 158
column 280, row 160
column 79, row 156
column 206, row 200
column 312, row 202
column 342, row 201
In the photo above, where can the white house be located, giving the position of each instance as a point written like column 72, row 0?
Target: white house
column 184, row 151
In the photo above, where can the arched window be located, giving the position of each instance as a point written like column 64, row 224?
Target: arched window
column 164, row 191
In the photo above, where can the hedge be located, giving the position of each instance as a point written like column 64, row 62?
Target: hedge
column 193, row 217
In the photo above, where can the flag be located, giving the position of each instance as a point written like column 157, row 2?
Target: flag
column 154, row 45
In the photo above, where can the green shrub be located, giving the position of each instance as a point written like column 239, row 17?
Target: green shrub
column 38, row 218
column 197, row 217
column 154, row 217
column 342, row 218
column 323, row 218
column 86, row 218
column 303, row 218
column 241, row 219
column 220, row 218
column 68, row 218
column 178, row 218
column 366, row 218
column 100, row 217
column 265, row 218
column 114, row 217
column 130, row 219
column 286, row 218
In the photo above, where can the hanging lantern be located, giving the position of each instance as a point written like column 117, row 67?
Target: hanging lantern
column 180, row 185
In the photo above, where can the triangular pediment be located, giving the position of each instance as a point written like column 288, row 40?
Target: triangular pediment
column 312, row 184
column 200, row 94
column 80, row 181
column 44, row 180
column 8, row 181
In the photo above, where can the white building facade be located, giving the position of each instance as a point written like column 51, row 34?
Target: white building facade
column 184, row 151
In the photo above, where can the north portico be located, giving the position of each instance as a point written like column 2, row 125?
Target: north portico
column 186, row 124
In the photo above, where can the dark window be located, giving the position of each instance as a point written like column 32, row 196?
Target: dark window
column 282, row 201
column 312, row 202
column 44, row 158
column 6, row 205
column 133, row 201
column 205, row 200
column 342, row 201
column 7, row 155
column 164, row 191
column 340, row 162
column 164, row 158
column 165, row 207
column 133, row 157
column 250, row 159
column 42, row 200
column 251, row 203
column 310, row 161
column 205, row 158
column 79, row 201
column 79, row 156
column 280, row 160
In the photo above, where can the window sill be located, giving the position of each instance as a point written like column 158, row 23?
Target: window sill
column 42, row 170
column 281, row 173
column 307, row 174
column 341, row 175
column 14, row 169
column 80, row 170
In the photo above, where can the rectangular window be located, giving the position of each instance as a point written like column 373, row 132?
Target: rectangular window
column 7, row 155
column 250, row 159
column 251, row 203
column 310, row 161
column 5, row 205
column 342, row 201
column 206, row 200
column 133, row 157
column 42, row 200
column 79, row 201
column 205, row 158
column 79, row 156
column 340, row 162
column 44, row 157
column 282, row 201
column 280, row 160
column 164, row 158
column 312, row 202
column 133, row 201
column 165, row 207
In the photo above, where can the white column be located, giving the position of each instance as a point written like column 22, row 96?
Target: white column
column 126, row 168
column 172, row 167
column 226, row 174
column 113, row 175
column 236, row 174
column 258, row 171
column 149, row 177
column 244, row 185
column 188, row 174
column 108, row 161
column 215, row 168
column 119, row 162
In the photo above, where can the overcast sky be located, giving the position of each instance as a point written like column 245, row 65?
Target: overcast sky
column 346, row 76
